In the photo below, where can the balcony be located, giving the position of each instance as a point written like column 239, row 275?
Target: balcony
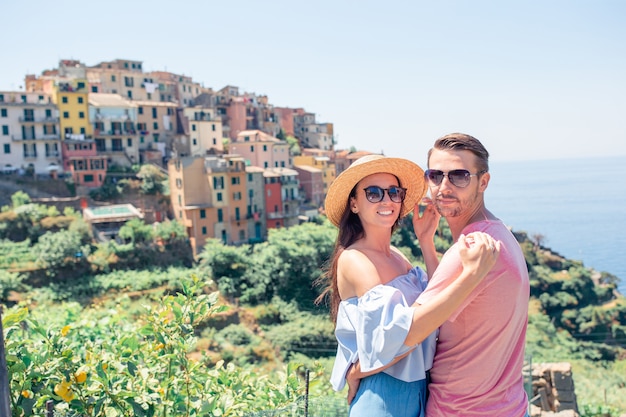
column 31, row 119
column 77, row 136
column 275, row 215
column 18, row 138
column 124, row 132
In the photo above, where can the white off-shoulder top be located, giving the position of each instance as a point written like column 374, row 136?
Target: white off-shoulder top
column 372, row 329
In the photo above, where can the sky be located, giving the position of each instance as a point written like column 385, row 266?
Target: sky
column 535, row 79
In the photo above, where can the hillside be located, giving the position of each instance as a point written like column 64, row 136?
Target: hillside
column 576, row 315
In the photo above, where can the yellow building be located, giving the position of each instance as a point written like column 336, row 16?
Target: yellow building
column 71, row 98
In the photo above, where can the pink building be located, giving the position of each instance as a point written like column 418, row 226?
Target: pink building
column 261, row 150
column 81, row 159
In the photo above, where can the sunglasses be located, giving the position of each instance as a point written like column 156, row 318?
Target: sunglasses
column 458, row 177
column 376, row 194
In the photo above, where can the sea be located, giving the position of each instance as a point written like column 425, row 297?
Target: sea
column 578, row 206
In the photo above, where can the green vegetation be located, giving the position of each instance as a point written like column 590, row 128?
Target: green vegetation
column 139, row 328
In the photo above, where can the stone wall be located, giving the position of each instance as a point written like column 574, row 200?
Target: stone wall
column 553, row 390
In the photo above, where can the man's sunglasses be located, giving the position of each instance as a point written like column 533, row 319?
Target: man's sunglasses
column 376, row 194
column 458, row 177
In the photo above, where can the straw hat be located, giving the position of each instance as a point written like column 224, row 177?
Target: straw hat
column 410, row 175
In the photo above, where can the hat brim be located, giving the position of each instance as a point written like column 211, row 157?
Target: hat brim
column 410, row 175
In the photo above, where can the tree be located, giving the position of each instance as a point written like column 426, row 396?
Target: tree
column 152, row 179
column 227, row 265
column 137, row 232
column 294, row 145
column 57, row 250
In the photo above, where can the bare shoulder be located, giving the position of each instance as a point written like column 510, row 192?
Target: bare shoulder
column 356, row 273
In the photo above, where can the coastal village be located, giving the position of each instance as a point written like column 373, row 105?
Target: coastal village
column 237, row 165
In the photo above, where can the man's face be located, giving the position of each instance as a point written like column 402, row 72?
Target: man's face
column 454, row 200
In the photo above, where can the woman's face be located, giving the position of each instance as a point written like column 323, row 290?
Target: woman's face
column 383, row 213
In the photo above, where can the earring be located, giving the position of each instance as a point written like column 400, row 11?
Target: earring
column 354, row 210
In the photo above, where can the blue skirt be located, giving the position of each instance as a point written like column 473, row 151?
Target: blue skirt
column 382, row 395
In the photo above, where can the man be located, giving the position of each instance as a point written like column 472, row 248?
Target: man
column 477, row 369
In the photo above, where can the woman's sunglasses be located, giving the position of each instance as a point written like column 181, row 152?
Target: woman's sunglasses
column 458, row 177
column 376, row 194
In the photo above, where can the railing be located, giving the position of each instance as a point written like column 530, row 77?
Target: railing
column 19, row 138
column 29, row 119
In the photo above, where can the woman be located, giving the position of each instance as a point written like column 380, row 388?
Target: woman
column 372, row 286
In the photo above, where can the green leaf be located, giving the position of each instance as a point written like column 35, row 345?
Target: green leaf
column 132, row 368
column 14, row 317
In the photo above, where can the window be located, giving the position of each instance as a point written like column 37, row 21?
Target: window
column 204, row 230
column 129, row 143
column 235, row 180
column 129, row 94
column 113, row 78
column 7, row 148
column 5, row 130
column 94, row 88
column 116, row 145
column 66, row 115
column 220, row 215
column 3, row 113
column 219, row 197
column 264, row 148
column 88, row 178
column 202, row 213
column 80, row 85
column 155, row 125
column 154, row 113
column 48, row 113
column 140, row 110
column 81, row 114
column 237, row 215
column 80, row 100
column 237, row 196
column 193, row 127
column 214, row 141
column 195, row 141
column 29, row 115
column 213, row 127
column 64, row 99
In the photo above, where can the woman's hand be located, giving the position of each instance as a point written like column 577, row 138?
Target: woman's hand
column 479, row 252
column 353, row 379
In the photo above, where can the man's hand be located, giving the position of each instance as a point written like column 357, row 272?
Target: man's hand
column 425, row 225
column 353, row 379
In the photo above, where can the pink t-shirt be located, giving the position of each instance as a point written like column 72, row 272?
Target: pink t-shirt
column 477, row 369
